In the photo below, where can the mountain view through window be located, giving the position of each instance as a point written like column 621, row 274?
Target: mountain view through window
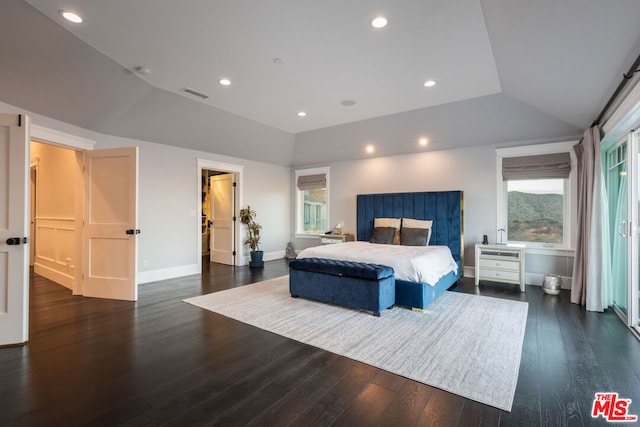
column 535, row 211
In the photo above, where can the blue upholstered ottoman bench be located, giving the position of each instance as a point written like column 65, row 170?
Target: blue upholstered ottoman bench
column 351, row 284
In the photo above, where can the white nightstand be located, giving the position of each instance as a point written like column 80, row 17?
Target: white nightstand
column 500, row 263
column 327, row 239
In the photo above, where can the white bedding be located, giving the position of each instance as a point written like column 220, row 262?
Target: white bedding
column 413, row 263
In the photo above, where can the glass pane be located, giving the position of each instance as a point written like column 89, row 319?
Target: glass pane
column 535, row 211
column 315, row 210
column 616, row 183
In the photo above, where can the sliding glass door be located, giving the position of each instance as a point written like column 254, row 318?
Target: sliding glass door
column 633, row 295
column 617, row 195
column 622, row 181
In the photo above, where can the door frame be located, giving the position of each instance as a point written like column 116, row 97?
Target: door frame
column 621, row 125
column 79, row 145
column 204, row 164
column 633, row 253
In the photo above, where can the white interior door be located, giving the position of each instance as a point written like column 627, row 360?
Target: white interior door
column 110, row 224
column 14, row 226
column 222, row 209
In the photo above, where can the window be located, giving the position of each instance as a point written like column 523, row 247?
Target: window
column 536, row 190
column 312, row 201
column 535, row 211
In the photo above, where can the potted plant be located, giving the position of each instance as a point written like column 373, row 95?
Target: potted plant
column 247, row 217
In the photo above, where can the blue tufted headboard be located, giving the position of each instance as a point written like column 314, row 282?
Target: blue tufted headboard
column 445, row 208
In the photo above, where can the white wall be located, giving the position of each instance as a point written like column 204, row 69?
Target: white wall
column 169, row 199
column 472, row 170
column 168, row 245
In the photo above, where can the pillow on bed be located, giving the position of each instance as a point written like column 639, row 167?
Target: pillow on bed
column 383, row 235
column 389, row 222
column 418, row 223
column 414, row 236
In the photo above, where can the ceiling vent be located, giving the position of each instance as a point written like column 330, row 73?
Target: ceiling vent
column 194, row 93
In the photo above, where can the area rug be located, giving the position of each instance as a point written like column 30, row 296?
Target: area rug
column 469, row 345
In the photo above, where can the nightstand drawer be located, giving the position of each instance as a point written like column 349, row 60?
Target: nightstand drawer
column 327, row 239
column 500, row 264
column 500, row 275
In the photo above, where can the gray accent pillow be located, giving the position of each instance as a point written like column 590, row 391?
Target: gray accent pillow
column 414, row 236
column 383, row 235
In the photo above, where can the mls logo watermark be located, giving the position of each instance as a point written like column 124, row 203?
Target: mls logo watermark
column 612, row 408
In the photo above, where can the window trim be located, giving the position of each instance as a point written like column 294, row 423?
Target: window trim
column 570, row 195
column 299, row 201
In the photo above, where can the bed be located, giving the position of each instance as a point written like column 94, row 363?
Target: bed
column 417, row 284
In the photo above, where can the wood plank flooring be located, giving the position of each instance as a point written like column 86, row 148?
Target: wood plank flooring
column 160, row 361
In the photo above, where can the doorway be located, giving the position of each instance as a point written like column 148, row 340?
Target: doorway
column 218, row 218
column 86, row 216
column 53, row 230
column 220, row 187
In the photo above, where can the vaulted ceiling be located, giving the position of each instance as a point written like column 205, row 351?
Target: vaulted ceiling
column 506, row 71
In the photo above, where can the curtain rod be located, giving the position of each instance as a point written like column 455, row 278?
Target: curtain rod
column 625, row 79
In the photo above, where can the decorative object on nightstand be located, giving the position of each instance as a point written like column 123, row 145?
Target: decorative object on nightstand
column 327, row 239
column 552, row 284
column 501, row 263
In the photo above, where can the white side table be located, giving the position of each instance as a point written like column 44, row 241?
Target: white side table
column 327, row 239
column 501, row 263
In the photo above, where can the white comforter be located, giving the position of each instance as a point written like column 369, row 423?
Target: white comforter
column 413, row 263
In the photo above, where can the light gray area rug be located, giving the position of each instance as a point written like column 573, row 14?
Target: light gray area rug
column 465, row 344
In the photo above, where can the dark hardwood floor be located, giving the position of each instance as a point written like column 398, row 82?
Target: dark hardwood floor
column 160, row 361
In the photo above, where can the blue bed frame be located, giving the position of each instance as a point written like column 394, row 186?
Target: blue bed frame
column 444, row 208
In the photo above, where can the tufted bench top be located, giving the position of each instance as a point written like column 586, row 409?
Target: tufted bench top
column 343, row 268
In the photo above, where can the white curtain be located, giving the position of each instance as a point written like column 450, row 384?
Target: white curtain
column 589, row 283
column 619, row 248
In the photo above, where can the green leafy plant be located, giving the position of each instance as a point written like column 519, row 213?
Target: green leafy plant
column 247, row 217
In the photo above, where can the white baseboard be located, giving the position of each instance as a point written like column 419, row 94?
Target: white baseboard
column 188, row 270
column 535, row 279
column 267, row 256
column 168, row 273
column 59, row 277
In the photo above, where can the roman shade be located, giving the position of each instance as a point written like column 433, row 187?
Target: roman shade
column 312, row 182
column 545, row 166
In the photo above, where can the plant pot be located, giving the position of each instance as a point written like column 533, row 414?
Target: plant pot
column 552, row 284
column 256, row 259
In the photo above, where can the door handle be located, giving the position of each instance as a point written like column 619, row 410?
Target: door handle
column 132, row 231
column 15, row 241
column 623, row 229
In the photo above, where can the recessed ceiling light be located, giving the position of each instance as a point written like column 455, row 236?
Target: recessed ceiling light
column 70, row 16
column 348, row 103
column 423, row 141
column 370, row 149
column 379, row 22
column 302, row 114
column 224, row 82
column 430, row 83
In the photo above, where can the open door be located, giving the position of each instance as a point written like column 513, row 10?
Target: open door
column 110, row 224
column 14, row 226
column 222, row 209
